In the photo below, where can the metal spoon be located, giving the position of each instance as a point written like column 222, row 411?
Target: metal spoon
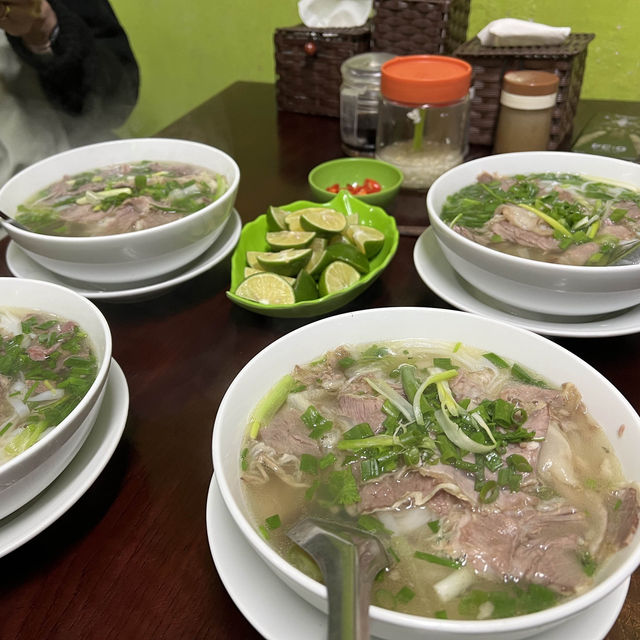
column 625, row 253
column 7, row 219
column 350, row 559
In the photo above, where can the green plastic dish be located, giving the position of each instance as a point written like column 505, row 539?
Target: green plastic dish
column 348, row 170
column 252, row 238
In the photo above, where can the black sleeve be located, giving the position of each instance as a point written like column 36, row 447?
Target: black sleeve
column 92, row 71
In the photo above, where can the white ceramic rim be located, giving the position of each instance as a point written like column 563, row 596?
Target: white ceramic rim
column 384, row 616
column 98, row 240
column 90, row 396
column 594, row 272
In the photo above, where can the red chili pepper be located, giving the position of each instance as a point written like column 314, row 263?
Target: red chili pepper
column 372, row 185
column 369, row 186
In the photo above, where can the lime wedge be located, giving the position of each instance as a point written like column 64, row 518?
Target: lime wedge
column 349, row 254
column 276, row 219
column 304, row 287
column 252, row 258
column 266, row 288
column 292, row 220
column 250, row 271
column 318, row 246
column 290, row 239
column 287, row 262
column 337, row 276
column 339, row 238
column 366, row 239
column 322, row 220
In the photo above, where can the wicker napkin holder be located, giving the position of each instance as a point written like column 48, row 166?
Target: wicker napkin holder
column 406, row 27
column 566, row 60
column 308, row 63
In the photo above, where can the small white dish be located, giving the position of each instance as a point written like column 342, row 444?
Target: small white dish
column 441, row 278
column 264, row 597
column 28, row 521
column 22, row 266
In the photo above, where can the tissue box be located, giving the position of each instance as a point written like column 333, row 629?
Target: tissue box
column 566, row 60
column 308, row 66
column 408, row 27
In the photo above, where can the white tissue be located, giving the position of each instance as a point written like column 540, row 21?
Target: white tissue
column 511, row 32
column 320, row 14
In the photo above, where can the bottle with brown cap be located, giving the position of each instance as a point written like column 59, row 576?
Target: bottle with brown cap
column 526, row 104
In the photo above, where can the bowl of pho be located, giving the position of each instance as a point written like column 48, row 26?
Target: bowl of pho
column 489, row 460
column 55, row 354
column 121, row 212
column 547, row 232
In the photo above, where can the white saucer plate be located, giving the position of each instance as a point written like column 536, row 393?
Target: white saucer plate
column 262, row 597
column 24, row 524
column 23, row 266
column 441, row 278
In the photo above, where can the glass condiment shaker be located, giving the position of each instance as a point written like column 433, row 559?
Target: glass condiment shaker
column 527, row 100
column 423, row 123
column 359, row 97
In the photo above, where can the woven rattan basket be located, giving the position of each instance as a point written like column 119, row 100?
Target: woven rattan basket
column 408, row 27
column 566, row 60
column 308, row 66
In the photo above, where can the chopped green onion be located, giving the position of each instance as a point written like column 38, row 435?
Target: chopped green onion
column 326, row 461
column 489, row 492
column 362, row 430
column 405, row 595
column 273, row 522
column 455, row 433
column 445, row 562
column 309, row 464
column 393, row 396
column 269, row 404
column 496, row 360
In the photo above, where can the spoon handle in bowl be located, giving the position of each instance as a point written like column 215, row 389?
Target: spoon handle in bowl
column 348, row 567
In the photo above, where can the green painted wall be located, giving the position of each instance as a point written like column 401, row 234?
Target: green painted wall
column 190, row 52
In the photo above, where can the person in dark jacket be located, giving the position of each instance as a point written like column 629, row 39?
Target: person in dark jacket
column 68, row 77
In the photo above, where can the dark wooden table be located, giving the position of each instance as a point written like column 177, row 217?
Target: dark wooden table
column 131, row 559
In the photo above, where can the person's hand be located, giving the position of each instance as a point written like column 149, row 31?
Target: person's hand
column 31, row 20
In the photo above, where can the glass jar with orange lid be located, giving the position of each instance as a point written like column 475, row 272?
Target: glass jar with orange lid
column 423, row 120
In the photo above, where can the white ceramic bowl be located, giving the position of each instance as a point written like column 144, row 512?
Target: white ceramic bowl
column 25, row 476
column 605, row 403
column 540, row 287
column 125, row 258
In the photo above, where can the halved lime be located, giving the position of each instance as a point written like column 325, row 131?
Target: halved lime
column 252, row 258
column 322, row 220
column 349, row 254
column 366, row 239
column 304, row 287
column 266, row 288
column 276, row 219
column 286, row 262
column 290, row 239
column 337, row 276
